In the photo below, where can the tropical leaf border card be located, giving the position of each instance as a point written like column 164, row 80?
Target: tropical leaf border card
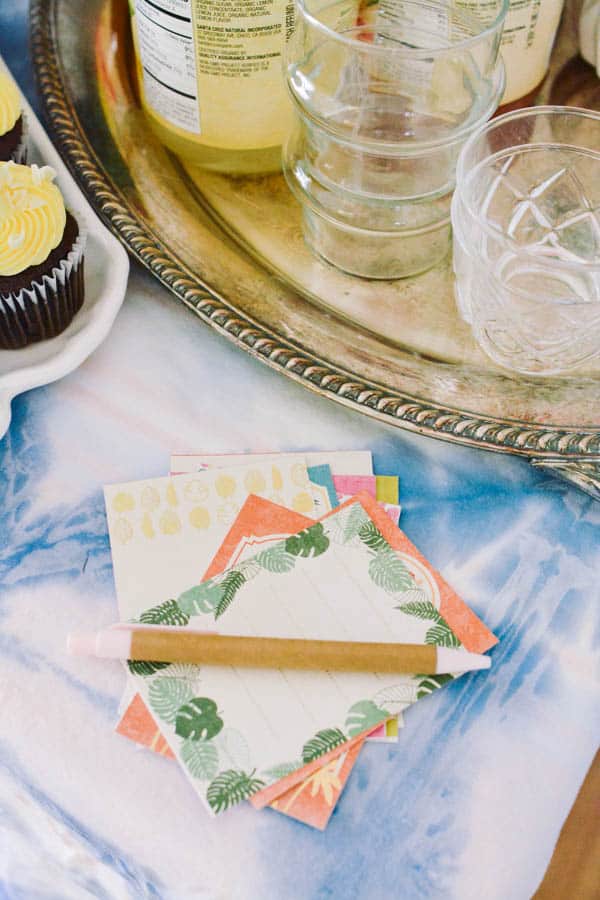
column 235, row 732
column 313, row 800
column 259, row 523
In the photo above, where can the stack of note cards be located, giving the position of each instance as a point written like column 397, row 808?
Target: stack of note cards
column 292, row 545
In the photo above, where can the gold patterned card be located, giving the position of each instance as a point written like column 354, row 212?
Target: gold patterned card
column 164, row 531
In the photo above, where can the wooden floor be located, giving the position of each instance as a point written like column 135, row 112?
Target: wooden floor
column 574, row 871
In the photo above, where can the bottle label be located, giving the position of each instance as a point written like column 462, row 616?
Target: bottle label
column 404, row 21
column 213, row 67
column 239, row 45
column 165, row 40
column 434, row 20
column 527, row 39
column 432, row 86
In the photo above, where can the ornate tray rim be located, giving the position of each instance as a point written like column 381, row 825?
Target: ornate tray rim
column 571, row 453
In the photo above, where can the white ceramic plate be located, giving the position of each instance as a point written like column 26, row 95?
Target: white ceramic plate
column 106, row 272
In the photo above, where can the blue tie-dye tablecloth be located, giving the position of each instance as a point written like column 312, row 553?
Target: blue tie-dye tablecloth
column 471, row 801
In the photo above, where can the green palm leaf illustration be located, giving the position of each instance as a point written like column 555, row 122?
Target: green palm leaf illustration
column 145, row 667
column 276, row 559
column 198, row 719
column 201, row 758
column 202, row 598
column 421, row 609
column 276, row 773
column 430, row 683
column 441, row 635
column 323, row 741
column 167, row 613
column 396, row 697
column 249, row 568
column 231, row 787
column 355, row 519
column 372, row 537
column 363, row 715
column 166, row 695
column 311, row 542
column 388, row 571
column 229, row 587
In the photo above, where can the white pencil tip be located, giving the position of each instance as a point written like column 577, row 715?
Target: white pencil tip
column 451, row 659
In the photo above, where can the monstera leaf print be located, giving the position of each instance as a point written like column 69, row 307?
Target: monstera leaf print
column 276, row 559
column 167, row 613
column 201, row 758
column 323, row 741
column 167, row 695
column 215, row 596
column 200, row 599
column 198, row 719
column 389, row 572
column 386, row 569
column 430, row 683
column 363, row 715
column 396, row 697
column 311, row 542
column 231, row 787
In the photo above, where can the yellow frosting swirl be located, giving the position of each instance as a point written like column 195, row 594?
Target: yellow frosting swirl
column 10, row 103
column 32, row 216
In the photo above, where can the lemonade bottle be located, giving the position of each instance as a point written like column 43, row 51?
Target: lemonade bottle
column 211, row 81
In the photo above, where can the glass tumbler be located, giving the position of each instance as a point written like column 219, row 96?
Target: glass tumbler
column 385, row 95
column 526, row 218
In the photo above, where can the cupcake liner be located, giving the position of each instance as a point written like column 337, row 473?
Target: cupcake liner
column 48, row 306
column 19, row 155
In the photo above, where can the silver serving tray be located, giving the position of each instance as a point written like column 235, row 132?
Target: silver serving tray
column 232, row 251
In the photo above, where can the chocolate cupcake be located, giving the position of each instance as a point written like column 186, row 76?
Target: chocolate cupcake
column 13, row 138
column 41, row 257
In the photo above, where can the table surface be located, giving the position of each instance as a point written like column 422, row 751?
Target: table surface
column 470, row 802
